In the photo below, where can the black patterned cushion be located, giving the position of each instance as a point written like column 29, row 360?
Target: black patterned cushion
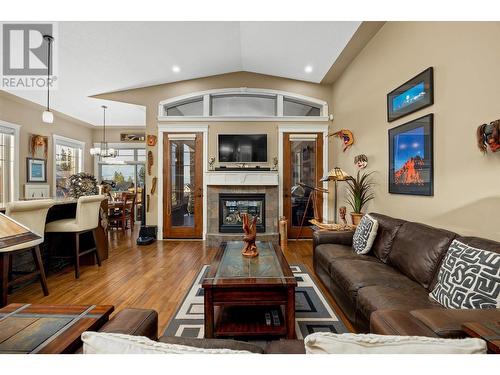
column 365, row 234
column 469, row 278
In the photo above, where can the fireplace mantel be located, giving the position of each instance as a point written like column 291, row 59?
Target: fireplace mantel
column 242, row 178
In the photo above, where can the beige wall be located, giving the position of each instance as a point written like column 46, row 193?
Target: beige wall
column 151, row 96
column 465, row 57
column 29, row 116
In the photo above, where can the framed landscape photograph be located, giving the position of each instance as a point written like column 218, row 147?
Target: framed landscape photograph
column 411, row 163
column 411, row 96
column 36, row 170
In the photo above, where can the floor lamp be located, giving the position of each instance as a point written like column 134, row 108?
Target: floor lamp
column 336, row 174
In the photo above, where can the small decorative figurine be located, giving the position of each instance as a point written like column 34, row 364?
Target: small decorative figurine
column 488, row 135
column 151, row 140
column 342, row 213
column 346, row 136
column 250, row 249
column 361, row 161
column 211, row 163
column 275, row 164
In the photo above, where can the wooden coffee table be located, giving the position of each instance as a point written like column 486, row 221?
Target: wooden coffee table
column 54, row 329
column 488, row 331
column 249, row 296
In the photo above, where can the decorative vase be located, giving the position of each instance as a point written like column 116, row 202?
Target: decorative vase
column 283, row 226
column 356, row 217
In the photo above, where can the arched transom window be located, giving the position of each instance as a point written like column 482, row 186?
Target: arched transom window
column 243, row 104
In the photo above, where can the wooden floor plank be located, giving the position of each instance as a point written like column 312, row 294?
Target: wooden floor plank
column 155, row 276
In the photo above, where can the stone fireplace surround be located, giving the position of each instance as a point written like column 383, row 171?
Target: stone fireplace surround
column 238, row 183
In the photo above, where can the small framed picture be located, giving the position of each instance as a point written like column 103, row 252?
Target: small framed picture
column 411, row 96
column 411, row 164
column 36, row 170
column 132, row 137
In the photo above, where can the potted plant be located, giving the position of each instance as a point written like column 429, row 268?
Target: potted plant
column 359, row 193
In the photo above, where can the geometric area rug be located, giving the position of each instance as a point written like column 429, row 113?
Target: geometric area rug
column 312, row 311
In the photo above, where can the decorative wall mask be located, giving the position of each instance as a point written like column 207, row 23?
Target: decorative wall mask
column 150, row 161
column 488, row 135
column 152, row 140
column 361, row 161
column 38, row 146
column 346, row 136
column 153, row 185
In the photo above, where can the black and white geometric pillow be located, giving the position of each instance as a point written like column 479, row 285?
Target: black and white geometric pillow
column 365, row 234
column 468, row 279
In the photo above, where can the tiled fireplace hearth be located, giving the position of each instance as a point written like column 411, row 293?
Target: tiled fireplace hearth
column 226, row 202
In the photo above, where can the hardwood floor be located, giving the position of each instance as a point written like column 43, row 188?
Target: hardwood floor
column 156, row 276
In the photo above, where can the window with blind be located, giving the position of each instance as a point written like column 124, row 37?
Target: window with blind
column 7, row 157
column 68, row 160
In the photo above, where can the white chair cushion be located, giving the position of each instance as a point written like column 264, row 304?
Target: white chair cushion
column 116, row 343
column 350, row 343
column 63, row 225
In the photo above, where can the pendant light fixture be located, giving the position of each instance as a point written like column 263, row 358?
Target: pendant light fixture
column 48, row 116
column 103, row 150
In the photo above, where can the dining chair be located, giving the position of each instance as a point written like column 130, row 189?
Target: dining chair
column 86, row 220
column 31, row 214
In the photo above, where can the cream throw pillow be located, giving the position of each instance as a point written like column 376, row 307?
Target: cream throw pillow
column 350, row 343
column 115, row 343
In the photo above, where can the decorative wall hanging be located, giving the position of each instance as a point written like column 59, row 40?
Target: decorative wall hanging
column 132, row 137
column 38, row 146
column 346, row 136
column 415, row 94
column 150, row 161
column 81, row 184
column 153, row 185
column 148, row 200
column 361, row 161
column 152, row 140
column 211, row 163
column 488, row 135
column 411, row 164
column 36, row 170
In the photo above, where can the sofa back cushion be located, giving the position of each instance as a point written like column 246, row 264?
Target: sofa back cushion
column 387, row 229
column 418, row 249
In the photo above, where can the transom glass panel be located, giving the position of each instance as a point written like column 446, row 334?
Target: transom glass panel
column 243, row 105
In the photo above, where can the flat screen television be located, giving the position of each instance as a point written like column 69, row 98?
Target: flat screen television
column 247, row 148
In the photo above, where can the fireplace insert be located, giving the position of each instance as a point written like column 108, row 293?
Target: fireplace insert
column 232, row 205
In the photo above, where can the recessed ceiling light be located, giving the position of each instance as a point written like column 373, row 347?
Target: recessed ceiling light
column 308, row 69
column 176, row 69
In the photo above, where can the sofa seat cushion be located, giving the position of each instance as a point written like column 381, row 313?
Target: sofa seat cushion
column 352, row 274
column 325, row 254
column 382, row 297
column 213, row 344
column 418, row 250
column 396, row 322
column 448, row 322
column 387, row 229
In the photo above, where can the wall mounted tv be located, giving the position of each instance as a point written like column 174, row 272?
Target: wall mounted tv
column 242, row 148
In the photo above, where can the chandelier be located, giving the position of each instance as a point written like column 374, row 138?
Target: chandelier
column 103, row 151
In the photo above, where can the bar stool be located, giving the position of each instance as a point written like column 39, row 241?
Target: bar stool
column 86, row 220
column 31, row 214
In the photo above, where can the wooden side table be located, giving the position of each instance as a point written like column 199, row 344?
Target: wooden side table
column 488, row 331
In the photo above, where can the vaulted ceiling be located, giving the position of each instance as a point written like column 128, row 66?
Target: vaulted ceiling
column 100, row 57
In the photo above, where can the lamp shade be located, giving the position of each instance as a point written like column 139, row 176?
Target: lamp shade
column 48, row 117
column 336, row 174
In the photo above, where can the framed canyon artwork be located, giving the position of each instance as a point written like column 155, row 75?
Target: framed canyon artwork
column 411, row 96
column 411, row 164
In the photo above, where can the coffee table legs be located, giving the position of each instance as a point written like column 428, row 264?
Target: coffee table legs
column 290, row 313
column 209, row 313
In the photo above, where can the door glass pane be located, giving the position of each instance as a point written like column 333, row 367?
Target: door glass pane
column 303, row 155
column 182, row 156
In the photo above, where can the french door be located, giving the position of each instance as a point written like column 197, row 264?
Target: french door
column 183, row 185
column 302, row 169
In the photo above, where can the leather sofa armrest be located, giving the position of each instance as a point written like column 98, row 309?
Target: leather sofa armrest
column 324, row 237
column 137, row 322
column 448, row 322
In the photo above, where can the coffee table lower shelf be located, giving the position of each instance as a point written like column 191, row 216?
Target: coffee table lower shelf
column 248, row 321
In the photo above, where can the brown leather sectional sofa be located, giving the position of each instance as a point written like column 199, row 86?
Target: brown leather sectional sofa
column 387, row 290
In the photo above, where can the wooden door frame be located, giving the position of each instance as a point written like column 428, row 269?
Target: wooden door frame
column 183, row 129
column 303, row 129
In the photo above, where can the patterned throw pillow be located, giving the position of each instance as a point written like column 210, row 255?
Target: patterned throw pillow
column 469, row 278
column 365, row 234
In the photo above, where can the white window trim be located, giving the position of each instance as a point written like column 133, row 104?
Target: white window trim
column 56, row 138
column 17, row 129
column 182, row 129
column 280, row 95
column 302, row 130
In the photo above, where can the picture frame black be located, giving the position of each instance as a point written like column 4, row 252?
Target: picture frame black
column 36, row 170
column 411, row 157
column 413, row 95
